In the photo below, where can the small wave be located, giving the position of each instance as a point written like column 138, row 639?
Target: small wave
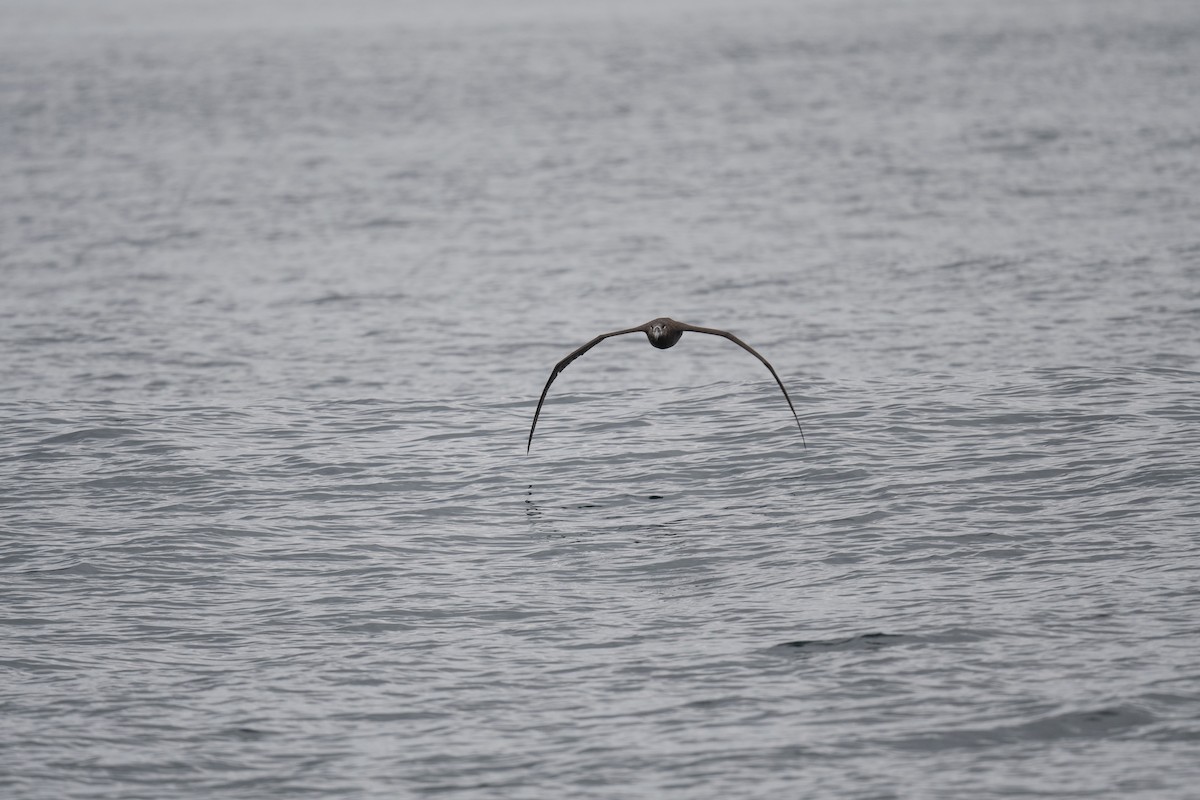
column 859, row 642
column 1105, row 722
column 86, row 434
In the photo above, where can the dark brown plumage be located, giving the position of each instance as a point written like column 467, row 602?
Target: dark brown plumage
column 663, row 332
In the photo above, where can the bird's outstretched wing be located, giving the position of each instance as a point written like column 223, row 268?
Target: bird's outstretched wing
column 756, row 354
column 560, row 366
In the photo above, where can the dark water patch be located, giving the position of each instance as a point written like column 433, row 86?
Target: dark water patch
column 386, row 222
column 1103, row 723
column 89, row 434
column 864, row 641
column 246, row 733
column 351, row 298
column 81, row 568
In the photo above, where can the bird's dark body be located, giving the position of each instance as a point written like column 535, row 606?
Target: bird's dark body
column 663, row 333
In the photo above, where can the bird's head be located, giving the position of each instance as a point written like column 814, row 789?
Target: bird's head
column 663, row 333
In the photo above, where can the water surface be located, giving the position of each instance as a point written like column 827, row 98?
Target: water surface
column 280, row 288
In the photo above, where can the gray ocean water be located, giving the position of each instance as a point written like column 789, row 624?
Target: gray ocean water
column 280, row 284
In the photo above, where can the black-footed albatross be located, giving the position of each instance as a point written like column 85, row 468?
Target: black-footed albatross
column 663, row 332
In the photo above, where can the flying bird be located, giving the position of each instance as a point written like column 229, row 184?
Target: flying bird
column 663, row 332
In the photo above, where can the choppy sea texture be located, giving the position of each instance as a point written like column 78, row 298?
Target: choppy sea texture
column 270, row 601
column 280, row 289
